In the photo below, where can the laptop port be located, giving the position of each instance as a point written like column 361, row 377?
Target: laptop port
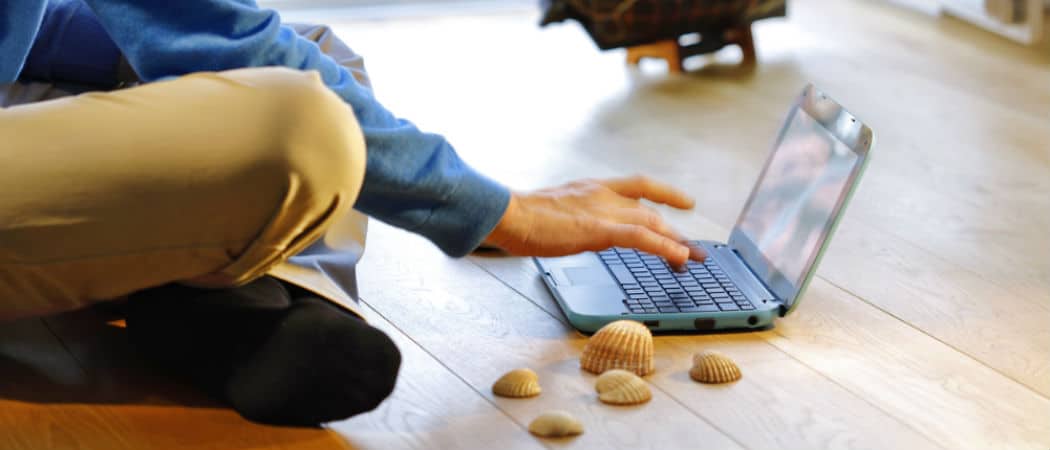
column 752, row 320
column 704, row 324
column 651, row 323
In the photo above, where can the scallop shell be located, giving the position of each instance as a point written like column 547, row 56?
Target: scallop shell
column 620, row 387
column 714, row 368
column 623, row 344
column 555, row 424
column 518, row 383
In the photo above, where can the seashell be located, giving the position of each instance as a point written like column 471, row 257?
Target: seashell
column 555, row 424
column 620, row 387
column 714, row 368
column 623, row 344
column 517, row 383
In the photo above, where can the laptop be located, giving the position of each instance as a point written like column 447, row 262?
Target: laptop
column 763, row 269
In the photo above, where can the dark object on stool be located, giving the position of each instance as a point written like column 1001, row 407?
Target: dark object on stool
column 274, row 359
column 652, row 28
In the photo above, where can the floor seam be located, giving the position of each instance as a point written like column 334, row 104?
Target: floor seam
column 935, row 338
column 65, row 347
column 447, row 368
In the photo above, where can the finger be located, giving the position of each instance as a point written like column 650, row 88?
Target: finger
column 650, row 219
column 646, row 240
column 643, row 187
column 697, row 254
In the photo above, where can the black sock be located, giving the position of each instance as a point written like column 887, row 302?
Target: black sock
column 274, row 359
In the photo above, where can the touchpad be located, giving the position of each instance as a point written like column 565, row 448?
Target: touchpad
column 587, row 275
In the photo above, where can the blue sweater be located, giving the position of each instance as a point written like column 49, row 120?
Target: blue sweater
column 413, row 180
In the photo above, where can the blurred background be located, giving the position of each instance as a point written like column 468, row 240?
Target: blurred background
column 1018, row 20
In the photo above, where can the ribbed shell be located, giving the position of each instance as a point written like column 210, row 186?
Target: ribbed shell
column 555, row 424
column 518, row 383
column 623, row 344
column 620, row 387
column 714, row 368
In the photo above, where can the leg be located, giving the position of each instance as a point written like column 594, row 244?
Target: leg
column 209, row 179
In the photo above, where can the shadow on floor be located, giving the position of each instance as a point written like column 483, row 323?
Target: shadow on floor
column 84, row 357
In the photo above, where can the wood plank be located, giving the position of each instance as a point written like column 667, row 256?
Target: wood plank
column 431, row 408
column 480, row 329
column 956, row 400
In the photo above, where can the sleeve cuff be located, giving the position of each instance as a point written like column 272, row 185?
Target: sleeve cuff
column 474, row 209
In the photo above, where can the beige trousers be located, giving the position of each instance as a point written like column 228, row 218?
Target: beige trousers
column 211, row 179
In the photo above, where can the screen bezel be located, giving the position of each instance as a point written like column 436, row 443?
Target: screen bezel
column 848, row 130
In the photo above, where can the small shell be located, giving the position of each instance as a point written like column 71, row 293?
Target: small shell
column 714, row 368
column 555, row 424
column 620, row 387
column 517, row 383
column 623, row 344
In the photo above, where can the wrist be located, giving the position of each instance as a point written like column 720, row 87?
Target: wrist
column 503, row 230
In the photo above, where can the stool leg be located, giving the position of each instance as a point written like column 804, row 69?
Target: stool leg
column 668, row 50
column 742, row 37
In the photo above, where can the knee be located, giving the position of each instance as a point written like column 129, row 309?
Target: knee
column 304, row 158
column 317, row 137
column 299, row 129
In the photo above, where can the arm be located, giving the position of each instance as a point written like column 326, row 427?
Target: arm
column 413, row 180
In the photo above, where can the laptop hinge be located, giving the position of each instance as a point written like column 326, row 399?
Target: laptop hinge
column 781, row 305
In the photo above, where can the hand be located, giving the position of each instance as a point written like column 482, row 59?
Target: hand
column 594, row 215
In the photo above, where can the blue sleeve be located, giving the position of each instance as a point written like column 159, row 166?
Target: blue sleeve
column 19, row 22
column 413, row 180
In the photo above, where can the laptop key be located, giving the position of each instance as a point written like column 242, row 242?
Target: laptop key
column 728, row 307
column 623, row 276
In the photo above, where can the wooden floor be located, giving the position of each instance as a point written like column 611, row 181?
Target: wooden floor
column 927, row 327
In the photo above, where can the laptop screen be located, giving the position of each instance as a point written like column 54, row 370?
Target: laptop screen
column 800, row 193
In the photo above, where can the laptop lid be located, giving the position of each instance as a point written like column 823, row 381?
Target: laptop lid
column 812, row 170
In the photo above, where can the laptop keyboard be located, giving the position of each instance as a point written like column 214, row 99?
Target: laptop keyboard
column 652, row 287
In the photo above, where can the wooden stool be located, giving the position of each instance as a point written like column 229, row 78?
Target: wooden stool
column 674, row 52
